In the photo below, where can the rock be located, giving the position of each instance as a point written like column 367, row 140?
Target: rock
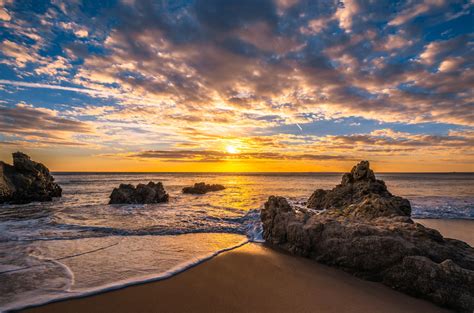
column 202, row 188
column 142, row 194
column 363, row 193
column 363, row 229
column 26, row 181
column 444, row 282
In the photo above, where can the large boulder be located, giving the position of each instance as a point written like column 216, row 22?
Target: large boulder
column 369, row 233
column 202, row 188
column 142, row 194
column 26, row 181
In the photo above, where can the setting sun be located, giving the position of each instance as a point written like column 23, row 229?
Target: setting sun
column 231, row 149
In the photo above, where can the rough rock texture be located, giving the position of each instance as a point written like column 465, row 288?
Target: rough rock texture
column 26, row 181
column 202, row 188
column 360, row 194
column 365, row 230
column 150, row 193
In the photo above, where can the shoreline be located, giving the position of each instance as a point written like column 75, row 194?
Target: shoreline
column 129, row 283
column 251, row 278
column 458, row 229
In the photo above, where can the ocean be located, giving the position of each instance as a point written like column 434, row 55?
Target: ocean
column 78, row 244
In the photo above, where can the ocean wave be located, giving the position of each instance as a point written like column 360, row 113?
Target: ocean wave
column 440, row 207
column 443, row 212
column 248, row 224
column 45, row 296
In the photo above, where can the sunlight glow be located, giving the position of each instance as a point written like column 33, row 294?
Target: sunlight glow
column 231, row 149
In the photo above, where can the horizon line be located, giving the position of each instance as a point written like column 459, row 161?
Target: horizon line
column 269, row 172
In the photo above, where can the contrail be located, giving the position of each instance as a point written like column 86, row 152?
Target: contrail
column 299, row 126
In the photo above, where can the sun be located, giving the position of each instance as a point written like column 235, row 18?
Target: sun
column 231, row 149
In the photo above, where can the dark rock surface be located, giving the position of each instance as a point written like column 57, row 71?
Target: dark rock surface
column 360, row 194
column 142, row 194
column 361, row 228
column 202, row 188
column 26, row 181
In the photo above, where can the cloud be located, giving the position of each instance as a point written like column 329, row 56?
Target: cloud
column 387, row 140
column 58, row 67
column 25, row 122
column 225, row 16
column 451, row 64
column 346, row 12
column 192, row 75
column 4, row 16
column 151, row 57
column 412, row 12
column 436, row 50
column 104, row 92
column 216, row 156
column 78, row 30
column 396, row 42
column 19, row 55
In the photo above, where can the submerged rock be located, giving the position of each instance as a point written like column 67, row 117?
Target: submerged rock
column 142, row 194
column 202, row 188
column 360, row 227
column 26, row 181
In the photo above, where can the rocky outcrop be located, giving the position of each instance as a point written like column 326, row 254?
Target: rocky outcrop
column 142, row 194
column 202, row 188
column 360, row 194
column 362, row 228
column 26, row 181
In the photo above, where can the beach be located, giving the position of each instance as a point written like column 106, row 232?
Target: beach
column 91, row 256
column 257, row 278
column 252, row 278
column 457, row 229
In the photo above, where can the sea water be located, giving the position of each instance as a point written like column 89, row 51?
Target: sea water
column 79, row 244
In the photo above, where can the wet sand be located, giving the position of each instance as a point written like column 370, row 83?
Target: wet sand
column 252, row 278
column 457, row 229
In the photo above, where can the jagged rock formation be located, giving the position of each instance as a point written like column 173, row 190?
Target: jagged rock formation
column 362, row 228
column 26, row 181
column 142, row 194
column 360, row 194
column 202, row 188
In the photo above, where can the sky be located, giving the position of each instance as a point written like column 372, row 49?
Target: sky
column 238, row 85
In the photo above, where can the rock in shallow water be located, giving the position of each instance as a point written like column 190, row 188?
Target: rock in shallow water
column 26, row 181
column 142, row 194
column 362, row 228
column 202, row 188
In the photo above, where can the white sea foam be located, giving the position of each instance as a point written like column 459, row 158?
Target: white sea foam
column 253, row 226
column 86, row 283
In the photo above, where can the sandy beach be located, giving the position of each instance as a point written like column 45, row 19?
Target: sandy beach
column 457, row 229
column 252, row 278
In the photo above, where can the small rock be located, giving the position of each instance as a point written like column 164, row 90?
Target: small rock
column 142, row 194
column 202, row 188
